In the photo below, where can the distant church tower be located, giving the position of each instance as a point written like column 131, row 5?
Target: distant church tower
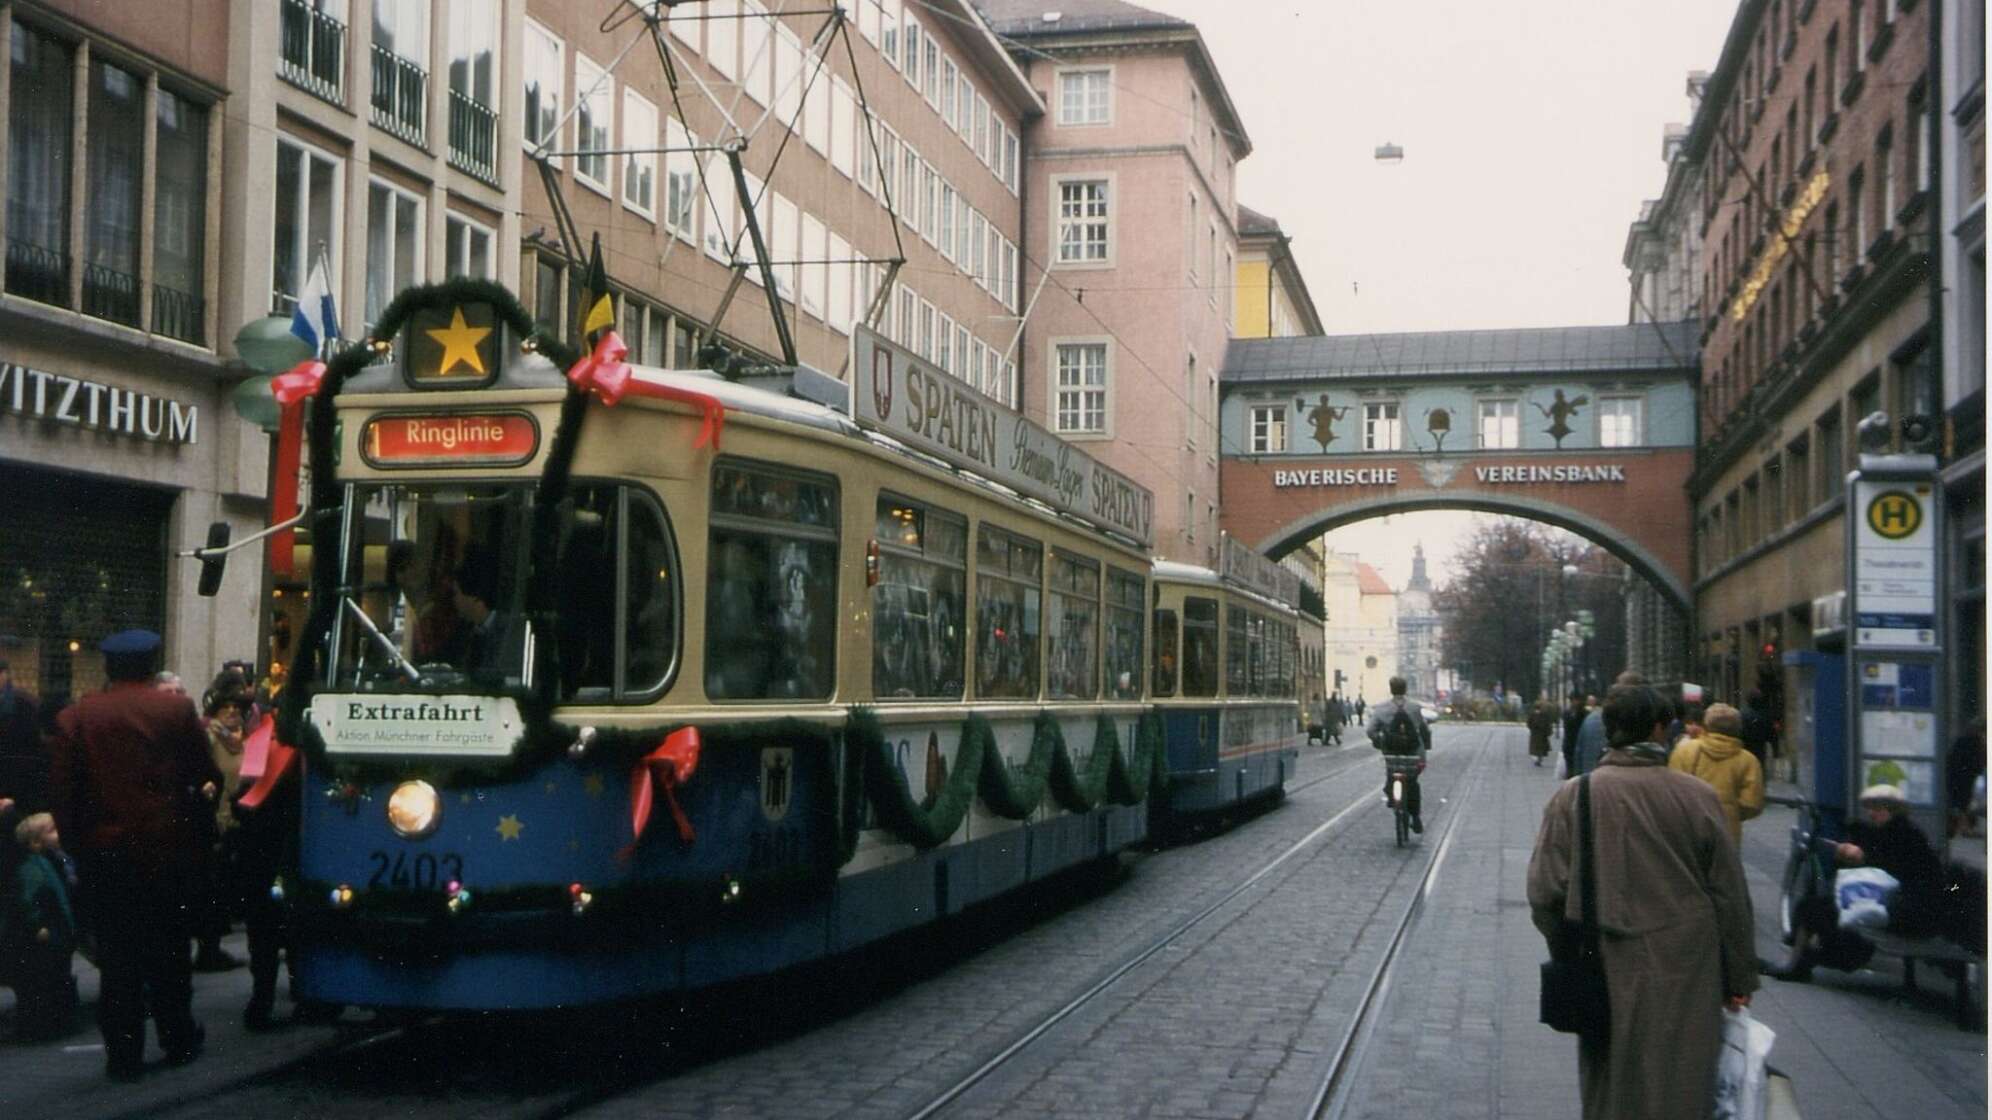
column 1418, row 632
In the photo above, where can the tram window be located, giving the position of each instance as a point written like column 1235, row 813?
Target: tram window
column 918, row 603
column 1200, row 666
column 1165, row 653
column 587, row 590
column 1237, row 653
column 1074, row 629
column 616, row 577
column 1125, row 593
column 771, row 585
column 1008, row 571
column 650, row 597
column 1258, row 665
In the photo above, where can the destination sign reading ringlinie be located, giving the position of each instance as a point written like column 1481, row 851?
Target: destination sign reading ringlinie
column 895, row 392
column 484, row 439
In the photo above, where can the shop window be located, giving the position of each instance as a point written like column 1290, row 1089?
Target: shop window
column 771, row 584
column 1008, row 571
column 1200, row 646
column 1073, row 627
column 918, row 603
column 1167, row 645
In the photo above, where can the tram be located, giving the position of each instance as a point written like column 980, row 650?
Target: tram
column 1226, row 671
column 620, row 680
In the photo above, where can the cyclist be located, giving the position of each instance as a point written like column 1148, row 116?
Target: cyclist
column 1397, row 727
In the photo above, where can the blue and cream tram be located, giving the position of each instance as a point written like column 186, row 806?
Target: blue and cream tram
column 1227, row 663
column 620, row 680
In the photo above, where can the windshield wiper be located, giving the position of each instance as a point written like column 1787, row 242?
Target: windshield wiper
column 382, row 640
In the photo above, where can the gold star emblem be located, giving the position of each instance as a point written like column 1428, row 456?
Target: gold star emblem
column 459, row 341
column 509, row 827
column 593, row 784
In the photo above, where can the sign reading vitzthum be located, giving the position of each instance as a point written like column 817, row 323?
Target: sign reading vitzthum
column 895, row 392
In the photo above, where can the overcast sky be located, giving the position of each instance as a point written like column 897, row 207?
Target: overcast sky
column 1531, row 132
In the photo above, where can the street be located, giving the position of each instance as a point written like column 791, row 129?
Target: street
column 1220, row 977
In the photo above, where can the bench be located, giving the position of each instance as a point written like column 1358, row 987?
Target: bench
column 1950, row 958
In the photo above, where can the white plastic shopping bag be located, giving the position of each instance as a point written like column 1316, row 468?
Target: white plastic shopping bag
column 1740, row 1092
column 1562, row 766
column 1864, row 895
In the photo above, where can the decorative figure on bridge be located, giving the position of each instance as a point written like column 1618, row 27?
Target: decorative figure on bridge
column 1438, row 422
column 1558, row 413
column 1323, row 418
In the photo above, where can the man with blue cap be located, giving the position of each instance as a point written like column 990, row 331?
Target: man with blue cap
column 131, row 782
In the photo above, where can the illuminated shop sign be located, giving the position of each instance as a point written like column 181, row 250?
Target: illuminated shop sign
column 459, row 440
column 62, row 399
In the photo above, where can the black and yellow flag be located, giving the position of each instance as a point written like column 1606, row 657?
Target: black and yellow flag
column 601, row 313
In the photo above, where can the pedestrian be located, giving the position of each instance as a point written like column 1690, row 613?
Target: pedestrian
column 23, row 766
column 1882, row 836
column 1591, row 738
column 266, row 854
column 1964, row 768
column 1542, row 723
column 38, row 932
column 1760, row 731
column 1717, row 757
column 226, row 705
column 1573, row 719
column 1337, row 716
column 1360, row 706
column 131, row 783
column 1673, row 911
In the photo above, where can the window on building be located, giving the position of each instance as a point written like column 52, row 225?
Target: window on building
column 39, row 130
column 1084, row 221
column 1381, row 430
column 1619, row 422
column 930, row 71
column 1269, row 428
column 1009, row 572
column 1081, row 401
column 1798, row 478
column 639, row 130
column 1857, row 213
column 843, row 127
column 547, row 286
column 722, row 28
column 179, row 219
column 681, row 181
column 919, row 602
column 771, row 590
column 1774, row 496
column 813, row 274
column 982, row 130
column 544, row 71
column 1500, row 424
column 722, row 221
column 964, row 118
column 594, row 96
column 474, row 29
column 394, row 245
column 911, row 50
column 1085, row 96
column 1832, row 444
column 839, row 271
column 115, row 166
column 468, row 248
column 401, row 67
column 307, row 222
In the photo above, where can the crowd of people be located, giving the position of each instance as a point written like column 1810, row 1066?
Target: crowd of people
column 127, row 838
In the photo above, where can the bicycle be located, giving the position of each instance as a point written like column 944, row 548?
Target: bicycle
column 1400, row 768
column 1808, row 870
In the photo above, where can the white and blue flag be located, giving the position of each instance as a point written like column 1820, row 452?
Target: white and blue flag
column 316, row 321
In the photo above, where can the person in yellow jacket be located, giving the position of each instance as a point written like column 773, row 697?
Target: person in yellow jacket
column 1719, row 758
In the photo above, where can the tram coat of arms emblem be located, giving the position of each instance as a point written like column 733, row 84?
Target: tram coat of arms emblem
column 777, row 782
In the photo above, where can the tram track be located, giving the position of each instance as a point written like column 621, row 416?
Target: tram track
column 1361, row 1025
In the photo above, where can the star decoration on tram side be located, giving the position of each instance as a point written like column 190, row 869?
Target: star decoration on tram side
column 509, row 827
column 460, row 343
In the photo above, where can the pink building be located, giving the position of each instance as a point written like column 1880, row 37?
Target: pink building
column 1130, row 245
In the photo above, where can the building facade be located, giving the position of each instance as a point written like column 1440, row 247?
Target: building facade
column 1960, row 120
column 1419, row 632
column 1272, row 300
column 1361, row 648
column 1130, row 246
column 1813, row 145
column 117, row 442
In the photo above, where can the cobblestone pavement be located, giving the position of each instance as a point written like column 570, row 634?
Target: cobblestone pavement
column 1239, row 1017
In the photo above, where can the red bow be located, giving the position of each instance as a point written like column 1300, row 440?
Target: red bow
column 276, row 759
column 291, row 389
column 604, row 373
column 670, row 766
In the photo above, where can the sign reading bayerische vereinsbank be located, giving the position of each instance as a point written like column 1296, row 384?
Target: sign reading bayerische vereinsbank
column 1504, row 475
column 385, row 724
column 63, row 399
column 895, row 392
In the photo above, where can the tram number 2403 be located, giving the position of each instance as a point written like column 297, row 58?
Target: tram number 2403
column 425, row 871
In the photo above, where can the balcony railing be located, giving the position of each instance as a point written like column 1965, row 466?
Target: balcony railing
column 177, row 314
column 38, row 273
column 311, row 51
column 473, row 137
column 400, row 96
column 110, row 294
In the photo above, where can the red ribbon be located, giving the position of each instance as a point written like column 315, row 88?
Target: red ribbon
column 275, row 758
column 604, row 373
column 669, row 766
column 291, row 390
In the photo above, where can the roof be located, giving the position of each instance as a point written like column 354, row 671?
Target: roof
column 1251, row 222
column 1369, row 583
column 1636, row 348
column 1026, row 17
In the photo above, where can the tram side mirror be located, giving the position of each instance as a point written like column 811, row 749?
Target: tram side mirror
column 214, row 559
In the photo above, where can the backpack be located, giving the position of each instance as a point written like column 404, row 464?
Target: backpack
column 1400, row 735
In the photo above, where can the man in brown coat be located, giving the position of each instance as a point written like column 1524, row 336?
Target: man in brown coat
column 1673, row 911
column 1542, row 724
column 131, row 784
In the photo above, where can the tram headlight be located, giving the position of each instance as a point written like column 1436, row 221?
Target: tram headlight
column 414, row 810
